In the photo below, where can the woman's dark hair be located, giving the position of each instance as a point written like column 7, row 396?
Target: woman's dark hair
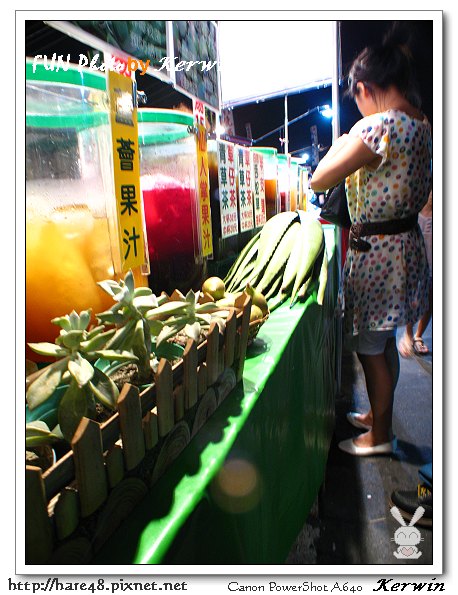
column 386, row 64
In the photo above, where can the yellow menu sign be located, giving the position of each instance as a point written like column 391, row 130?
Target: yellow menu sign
column 204, row 192
column 126, row 166
column 203, row 179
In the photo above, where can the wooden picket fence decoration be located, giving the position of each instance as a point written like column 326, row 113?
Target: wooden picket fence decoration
column 74, row 507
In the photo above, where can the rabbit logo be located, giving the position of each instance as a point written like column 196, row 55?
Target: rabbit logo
column 407, row 537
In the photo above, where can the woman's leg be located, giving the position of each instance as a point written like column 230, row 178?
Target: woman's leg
column 424, row 320
column 406, row 342
column 392, row 361
column 381, row 373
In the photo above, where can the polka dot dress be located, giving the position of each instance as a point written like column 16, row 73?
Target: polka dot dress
column 388, row 286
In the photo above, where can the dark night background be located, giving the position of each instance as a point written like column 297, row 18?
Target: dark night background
column 355, row 35
column 268, row 115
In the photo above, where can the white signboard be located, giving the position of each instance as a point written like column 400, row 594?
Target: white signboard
column 245, row 190
column 257, row 181
column 227, row 168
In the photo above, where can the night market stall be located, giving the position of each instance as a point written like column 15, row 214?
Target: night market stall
column 182, row 346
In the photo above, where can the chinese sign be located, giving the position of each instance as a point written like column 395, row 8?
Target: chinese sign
column 129, row 205
column 140, row 39
column 203, row 180
column 227, row 189
column 259, row 197
column 245, row 190
column 184, row 53
column 195, row 42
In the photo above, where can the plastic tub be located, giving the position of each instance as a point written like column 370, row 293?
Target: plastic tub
column 284, row 187
column 168, row 178
column 71, row 232
column 270, row 180
column 294, row 184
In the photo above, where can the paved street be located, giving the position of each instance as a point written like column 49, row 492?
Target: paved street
column 351, row 521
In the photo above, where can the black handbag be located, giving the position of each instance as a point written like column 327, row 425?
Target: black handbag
column 335, row 208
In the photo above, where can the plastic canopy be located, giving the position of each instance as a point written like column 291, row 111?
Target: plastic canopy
column 264, row 59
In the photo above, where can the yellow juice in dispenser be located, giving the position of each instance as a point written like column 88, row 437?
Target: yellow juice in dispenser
column 71, row 232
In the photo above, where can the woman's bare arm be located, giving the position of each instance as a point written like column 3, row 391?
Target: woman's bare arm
column 345, row 156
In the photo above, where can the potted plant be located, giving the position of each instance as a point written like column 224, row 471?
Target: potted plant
column 81, row 384
column 144, row 329
column 132, row 332
column 187, row 315
column 129, row 451
column 154, row 327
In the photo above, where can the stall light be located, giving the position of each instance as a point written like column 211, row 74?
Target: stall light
column 220, row 129
column 304, row 158
column 326, row 111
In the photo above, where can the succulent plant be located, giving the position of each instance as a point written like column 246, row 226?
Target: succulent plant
column 37, row 433
column 186, row 315
column 134, row 332
column 142, row 325
column 76, row 347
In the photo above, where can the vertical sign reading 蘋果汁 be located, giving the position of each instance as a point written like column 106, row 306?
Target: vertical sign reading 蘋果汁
column 259, row 197
column 203, row 179
column 126, row 166
column 227, row 189
column 245, row 191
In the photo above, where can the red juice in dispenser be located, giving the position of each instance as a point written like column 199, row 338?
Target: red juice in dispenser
column 168, row 167
column 168, row 209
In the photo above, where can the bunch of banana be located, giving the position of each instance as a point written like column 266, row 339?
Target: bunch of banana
column 282, row 260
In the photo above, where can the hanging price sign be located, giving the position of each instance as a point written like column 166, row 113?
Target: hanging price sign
column 245, row 190
column 126, row 166
column 259, row 196
column 227, row 189
column 203, row 180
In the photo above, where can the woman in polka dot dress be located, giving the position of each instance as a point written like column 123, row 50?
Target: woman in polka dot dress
column 386, row 162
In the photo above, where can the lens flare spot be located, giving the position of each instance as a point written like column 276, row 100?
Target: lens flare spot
column 237, row 487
